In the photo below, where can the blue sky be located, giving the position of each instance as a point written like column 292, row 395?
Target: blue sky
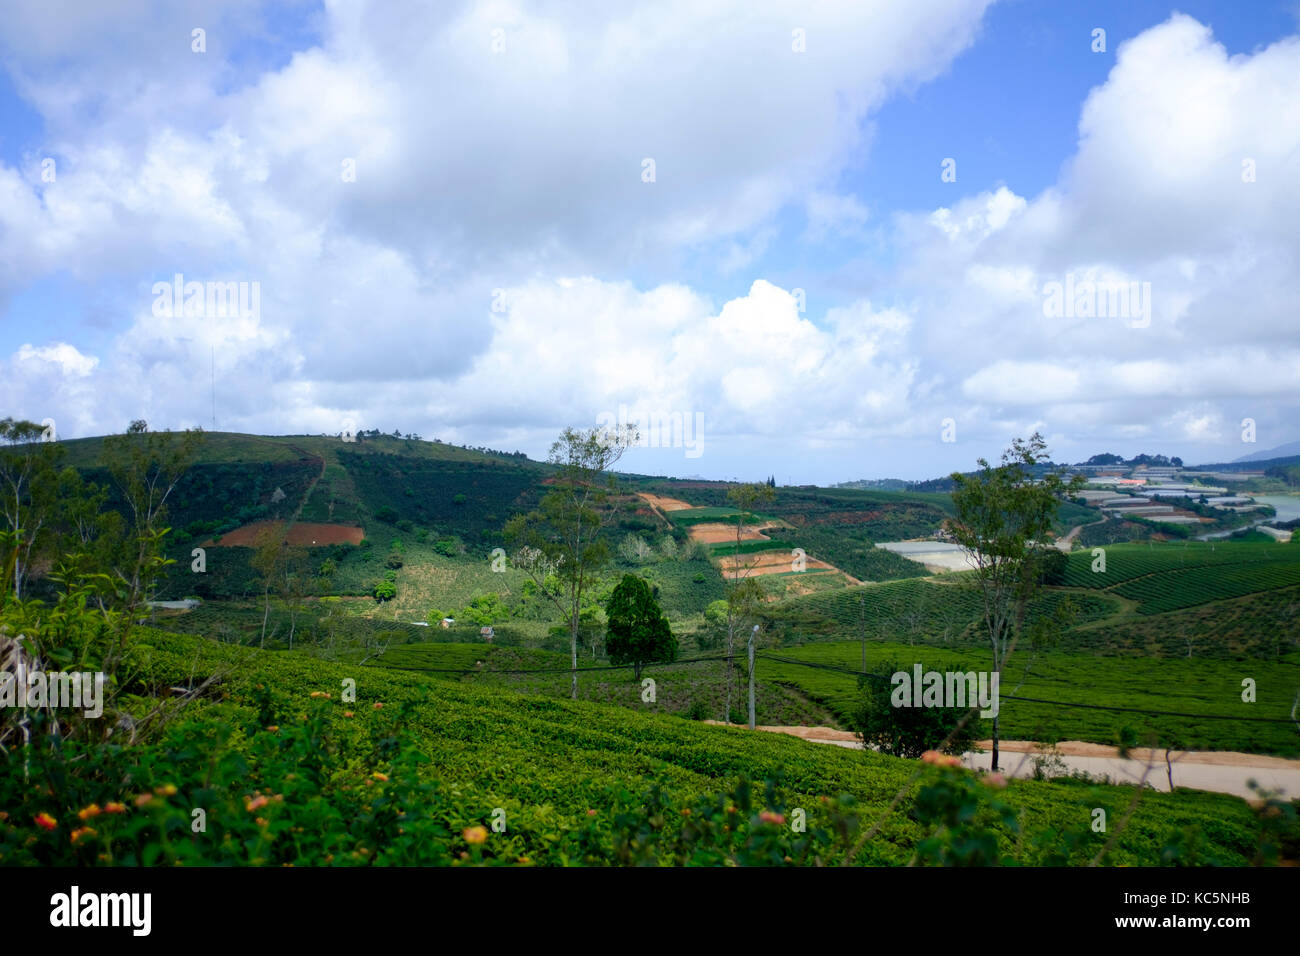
column 514, row 174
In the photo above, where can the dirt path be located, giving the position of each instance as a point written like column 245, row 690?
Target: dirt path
column 1219, row 771
column 1066, row 543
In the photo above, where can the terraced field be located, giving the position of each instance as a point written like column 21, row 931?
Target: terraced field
column 1174, row 576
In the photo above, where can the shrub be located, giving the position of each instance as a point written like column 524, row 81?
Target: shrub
column 908, row 731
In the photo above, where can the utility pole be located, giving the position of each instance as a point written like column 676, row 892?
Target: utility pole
column 752, row 636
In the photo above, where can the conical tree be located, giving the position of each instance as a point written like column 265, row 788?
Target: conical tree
column 638, row 632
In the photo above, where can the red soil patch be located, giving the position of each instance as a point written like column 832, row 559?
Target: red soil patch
column 723, row 533
column 767, row 562
column 302, row 534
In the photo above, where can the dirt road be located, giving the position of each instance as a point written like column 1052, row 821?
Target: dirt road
column 1219, row 771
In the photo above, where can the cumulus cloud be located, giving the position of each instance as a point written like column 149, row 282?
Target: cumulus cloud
column 498, row 266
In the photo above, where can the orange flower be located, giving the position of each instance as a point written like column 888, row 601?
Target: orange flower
column 347, row 713
column 3, row 816
column 767, row 816
column 591, row 813
column 273, row 728
column 475, row 835
column 995, row 780
column 256, row 803
column 166, row 790
column 114, row 808
column 378, row 706
column 45, row 821
column 686, row 811
column 143, row 799
column 80, row 832
column 383, row 777
column 319, row 693
column 90, row 811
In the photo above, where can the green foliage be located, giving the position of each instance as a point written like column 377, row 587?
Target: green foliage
column 484, row 610
column 638, row 632
column 385, row 591
column 909, row 731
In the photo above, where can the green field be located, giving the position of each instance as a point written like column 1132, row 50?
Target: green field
column 549, row 762
column 1195, row 686
column 1170, row 577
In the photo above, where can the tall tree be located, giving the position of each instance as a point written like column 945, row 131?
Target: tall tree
column 1004, row 515
column 744, row 594
column 638, row 631
column 146, row 466
column 269, row 560
column 559, row 545
column 28, row 480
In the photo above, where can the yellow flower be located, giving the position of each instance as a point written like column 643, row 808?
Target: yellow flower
column 45, row 821
column 90, row 811
column 380, row 776
column 114, row 808
column 475, row 835
column 166, row 790
column 143, row 799
column 80, row 832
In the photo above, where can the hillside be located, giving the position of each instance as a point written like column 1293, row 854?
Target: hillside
column 406, row 772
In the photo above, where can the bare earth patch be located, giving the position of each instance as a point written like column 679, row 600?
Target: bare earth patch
column 665, row 504
column 768, row 562
column 302, row 534
column 720, row 532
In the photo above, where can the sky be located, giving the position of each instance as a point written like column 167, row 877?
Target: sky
column 832, row 240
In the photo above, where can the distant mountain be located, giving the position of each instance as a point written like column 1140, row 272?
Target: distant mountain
column 1281, row 451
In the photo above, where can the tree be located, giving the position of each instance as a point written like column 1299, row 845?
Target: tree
column 268, row 561
column 744, row 594
column 28, row 476
column 146, row 467
column 1003, row 516
column 294, row 583
column 559, row 545
column 638, row 632
column 908, row 731
column 485, row 609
